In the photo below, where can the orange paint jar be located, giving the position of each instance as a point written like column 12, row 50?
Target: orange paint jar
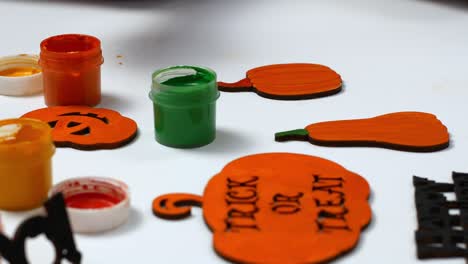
column 71, row 66
column 26, row 150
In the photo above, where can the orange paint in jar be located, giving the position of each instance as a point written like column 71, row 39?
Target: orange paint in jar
column 71, row 66
column 26, row 150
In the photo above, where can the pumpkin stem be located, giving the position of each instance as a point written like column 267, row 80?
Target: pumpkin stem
column 175, row 205
column 243, row 85
column 296, row 134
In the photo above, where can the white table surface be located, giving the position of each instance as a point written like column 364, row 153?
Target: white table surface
column 393, row 56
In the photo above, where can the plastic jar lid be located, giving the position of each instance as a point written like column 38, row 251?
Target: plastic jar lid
column 20, row 75
column 184, row 86
column 94, row 204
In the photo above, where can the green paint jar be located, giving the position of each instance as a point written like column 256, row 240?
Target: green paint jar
column 184, row 103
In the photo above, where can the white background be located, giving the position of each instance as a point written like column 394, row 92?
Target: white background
column 393, row 56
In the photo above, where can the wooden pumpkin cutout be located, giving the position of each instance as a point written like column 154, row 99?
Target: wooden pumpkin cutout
column 279, row 208
column 408, row 131
column 86, row 128
column 293, row 81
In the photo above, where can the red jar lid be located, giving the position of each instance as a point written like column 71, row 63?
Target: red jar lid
column 94, row 204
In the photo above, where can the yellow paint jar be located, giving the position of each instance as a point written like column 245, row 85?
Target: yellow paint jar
column 26, row 150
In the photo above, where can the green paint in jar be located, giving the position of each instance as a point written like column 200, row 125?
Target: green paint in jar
column 184, row 103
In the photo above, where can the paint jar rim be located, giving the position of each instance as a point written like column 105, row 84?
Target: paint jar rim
column 93, row 220
column 32, row 150
column 70, row 51
column 188, row 94
column 20, row 85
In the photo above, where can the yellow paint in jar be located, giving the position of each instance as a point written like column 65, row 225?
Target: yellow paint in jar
column 26, row 150
column 19, row 71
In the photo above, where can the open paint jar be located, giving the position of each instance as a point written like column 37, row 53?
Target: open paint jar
column 71, row 66
column 94, row 204
column 20, row 75
column 26, row 150
column 184, row 104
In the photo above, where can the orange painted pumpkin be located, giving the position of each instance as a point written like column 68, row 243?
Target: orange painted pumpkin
column 292, row 81
column 409, row 131
column 279, row 208
column 86, row 128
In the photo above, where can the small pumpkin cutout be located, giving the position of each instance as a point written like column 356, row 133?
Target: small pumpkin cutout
column 279, row 208
column 292, row 81
column 408, row 131
column 86, row 128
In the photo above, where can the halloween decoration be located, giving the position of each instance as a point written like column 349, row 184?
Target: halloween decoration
column 26, row 150
column 184, row 103
column 293, row 81
column 441, row 234
column 71, row 66
column 279, row 208
column 408, row 131
column 54, row 226
column 20, row 75
column 95, row 204
column 86, row 128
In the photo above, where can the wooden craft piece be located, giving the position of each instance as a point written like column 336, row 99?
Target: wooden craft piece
column 408, row 131
column 279, row 208
column 86, row 128
column 292, row 81
column 55, row 225
column 441, row 234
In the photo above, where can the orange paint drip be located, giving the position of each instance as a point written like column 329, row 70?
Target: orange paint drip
column 19, row 71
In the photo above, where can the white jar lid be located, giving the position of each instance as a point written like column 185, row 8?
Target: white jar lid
column 20, row 85
column 94, row 204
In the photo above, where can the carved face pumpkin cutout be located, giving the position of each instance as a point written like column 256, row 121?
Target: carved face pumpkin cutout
column 86, row 128
column 279, row 208
column 294, row 81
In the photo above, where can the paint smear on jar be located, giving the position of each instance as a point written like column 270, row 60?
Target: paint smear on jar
column 9, row 132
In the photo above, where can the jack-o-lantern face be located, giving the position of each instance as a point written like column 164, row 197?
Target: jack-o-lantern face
column 279, row 208
column 86, row 128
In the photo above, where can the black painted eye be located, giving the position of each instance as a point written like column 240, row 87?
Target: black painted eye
column 52, row 124
column 73, row 124
column 83, row 132
column 92, row 115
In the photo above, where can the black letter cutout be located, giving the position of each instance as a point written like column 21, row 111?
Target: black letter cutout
column 440, row 233
column 56, row 228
